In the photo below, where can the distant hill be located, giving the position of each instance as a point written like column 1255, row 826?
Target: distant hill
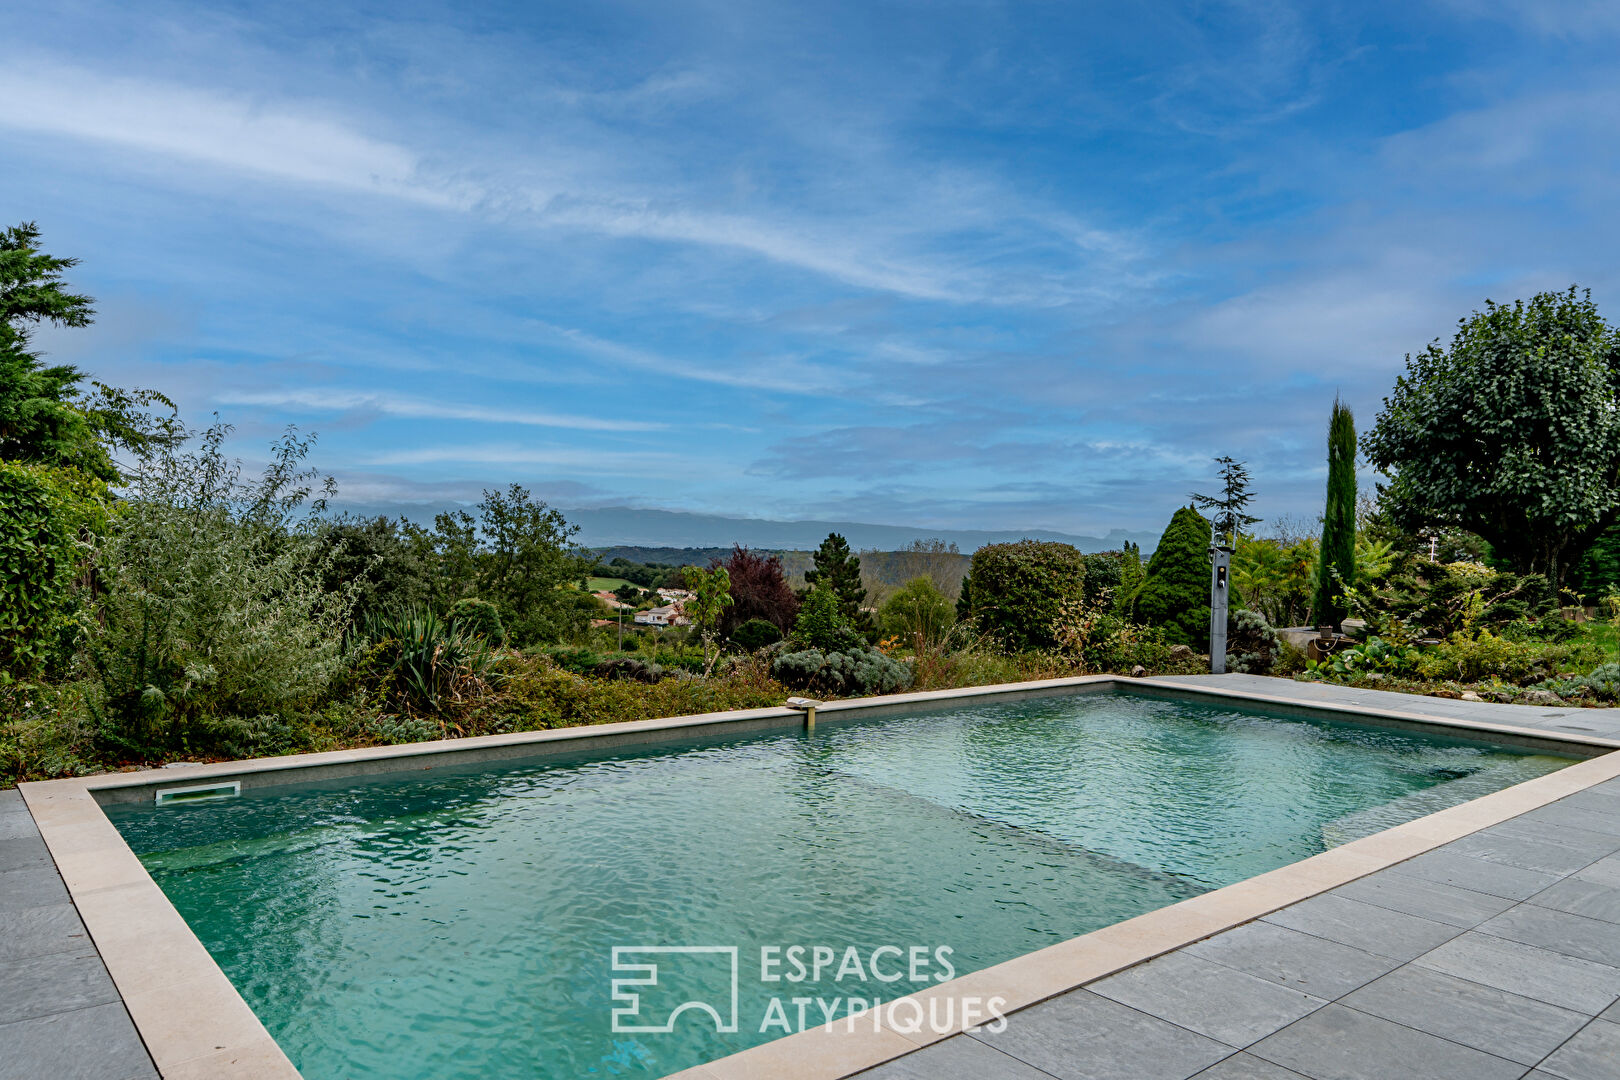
column 623, row 528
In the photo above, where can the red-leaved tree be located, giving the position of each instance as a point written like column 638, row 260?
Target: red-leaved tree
column 758, row 591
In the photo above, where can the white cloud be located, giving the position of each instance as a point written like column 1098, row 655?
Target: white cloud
column 340, row 400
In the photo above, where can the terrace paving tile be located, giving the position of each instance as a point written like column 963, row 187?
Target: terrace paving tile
column 1081, row 1036
column 1510, row 1026
column 1582, row 895
column 957, row 1058
column 1582, row 817
column 1480, row 875
column 26, row 852
column 1528, row 971
column 1593, row 1054
column 1560, row 931
column 1597, row 844
column 1247, row 1067
column 1337, row 1043
column 1527, row 851
column 1314, row 965
column 1229, row 1005
column 61, row 982
column 1433, row 900
column 98, row 1043
column 21, row 889
column 41, row 931
column 1364, row 926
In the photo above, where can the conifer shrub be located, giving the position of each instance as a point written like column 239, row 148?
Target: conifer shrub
column 1175, row 594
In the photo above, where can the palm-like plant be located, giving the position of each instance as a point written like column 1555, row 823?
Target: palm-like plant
column 430, row 662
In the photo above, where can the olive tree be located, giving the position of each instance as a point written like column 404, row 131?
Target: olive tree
column 1512, row 433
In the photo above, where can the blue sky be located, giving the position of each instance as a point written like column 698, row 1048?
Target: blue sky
column 975, row 265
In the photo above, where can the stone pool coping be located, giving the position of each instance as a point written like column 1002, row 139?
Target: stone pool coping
column 196, row 1025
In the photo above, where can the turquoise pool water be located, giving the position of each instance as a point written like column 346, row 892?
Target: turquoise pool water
column 460, row 923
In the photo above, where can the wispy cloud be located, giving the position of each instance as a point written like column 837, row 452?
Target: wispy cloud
column 343, row 400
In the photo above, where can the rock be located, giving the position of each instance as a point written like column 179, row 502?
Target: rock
column 1540, row 697
column 1138, row 671
column 1373, row 676
column 1445, row 692
column 1469, row 695
column 1181, row 652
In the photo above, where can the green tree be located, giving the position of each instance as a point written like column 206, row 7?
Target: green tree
column 45, row 418
column 918, row 613
column 1175, row 594
column 47, row 517
column 1336, row 564
column 1016, row 591
column 840, row 571
column 1131, row 575
column 711, row 596
column 1512, row 433
column 1230, row 506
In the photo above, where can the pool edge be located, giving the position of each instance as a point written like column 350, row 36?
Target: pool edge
column 195, row 1024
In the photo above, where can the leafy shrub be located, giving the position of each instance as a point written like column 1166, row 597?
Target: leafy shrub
column 1603, row 683
column 579, row 660
column 918, row 613
column 628, row 667
column 42, row 512
column 1252, row 646
column 821, row 625
column 1373, row 656
column 479, row 619
column 1175, row 595
column 1015, row 592
column 1095, row 638
column 1469, row 660
column 841, row 674
column 423, row 662
column 755, row 634
column 213, row 601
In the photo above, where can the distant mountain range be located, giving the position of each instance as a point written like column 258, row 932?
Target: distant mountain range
column 623, row 526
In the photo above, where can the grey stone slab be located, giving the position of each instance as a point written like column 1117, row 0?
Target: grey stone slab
column 1593, row 1054
column 956, row 1058
column 11, row 802
column 31, row 888
column 1426, row 899
column 1570, row 836
column 1289, row 958
column 1247, row 1067
column 1337, row 1043
column 1605, row 799
column 1212, row 999
column 97, row 1043
column 1612, row 1012
column 1547, row 976
column 1542, row 853
column 1510, row 1026
column 1605, row 871
column 1080, row 1036
column 41, row 931
column 1582, row 896
column 13, row 826
column 1465, row 871
column 1560, row 931
column 24, row 853
column 1563, row 813
column 62, row 982
column 1364, row 926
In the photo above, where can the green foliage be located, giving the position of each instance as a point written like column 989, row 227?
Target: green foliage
column 421, row 662
column 519, row 554
column 821, row 625
column 1513, row 433
column 212, row 602
column 835, row 568
column 755, row 634
column 917, row 613
column 390, row 563
column 1275, row 578
column 1015, row 592
column 1252, row 646
column 1373, row 656
column 1230, row 506
column 711, row 596
column 1336, row 564
column 1104, row 572
column 1466, row 659
column 1601, row 684
column 1175, row 595
column 45, row 520
column 1596, row 573
column 1094, row 638
column 841, row 674
column 480, row 619
column 1131, row 576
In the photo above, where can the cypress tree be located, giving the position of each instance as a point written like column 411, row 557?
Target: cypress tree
column 1175, row 594
column 839, row 571
column 1338, row 551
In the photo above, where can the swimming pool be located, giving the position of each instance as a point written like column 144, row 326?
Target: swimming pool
column 462, row 923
